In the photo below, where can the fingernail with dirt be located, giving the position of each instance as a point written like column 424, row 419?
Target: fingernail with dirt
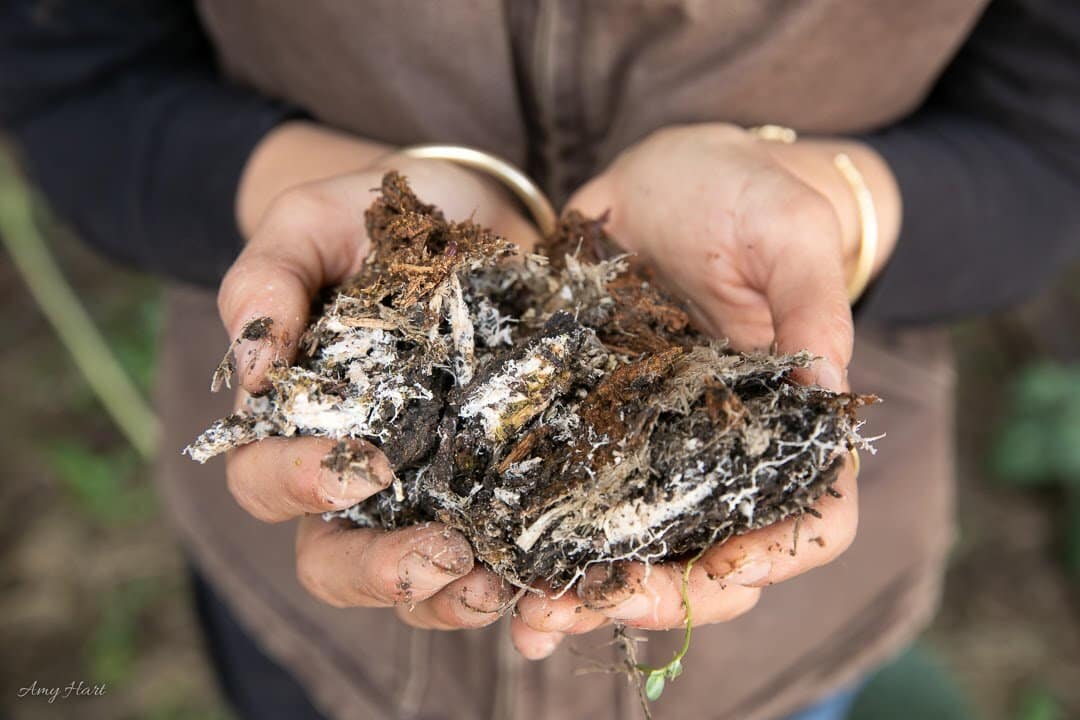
column 348, row 488
column 252, row 342
column 829, row 376
column 634, row 607
column 422, row 575
column 352, row 472
column 749, row 572
column 248, row 354
column 604, row 587
column 485, row 601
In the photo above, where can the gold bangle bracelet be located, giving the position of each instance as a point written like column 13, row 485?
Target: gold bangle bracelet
column 868, row 227
column 864, row 204
column 774, row 133
column 518, row 182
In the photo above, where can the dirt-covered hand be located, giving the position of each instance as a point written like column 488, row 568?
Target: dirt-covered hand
column 310, row 237
column 762, row 256
column 758, row 252
column 725, row 582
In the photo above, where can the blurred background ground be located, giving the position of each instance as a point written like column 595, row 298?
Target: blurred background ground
column 92, row 588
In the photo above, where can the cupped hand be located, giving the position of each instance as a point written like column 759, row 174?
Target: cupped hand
column 312, row 236
column 731, row 223
column 724, row 583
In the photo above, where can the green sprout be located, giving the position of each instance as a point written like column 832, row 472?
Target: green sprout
column 657, row 677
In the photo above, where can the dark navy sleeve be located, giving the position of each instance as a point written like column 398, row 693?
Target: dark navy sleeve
column 989, row 170
column 118, row 114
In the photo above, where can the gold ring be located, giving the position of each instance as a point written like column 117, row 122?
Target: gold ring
column 526, row 190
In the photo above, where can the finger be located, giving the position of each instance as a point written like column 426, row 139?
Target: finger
column 277, row 479
column 651, row 597
column 801, row 273
column 311, row 236
column 789, row 548
column 533, row 644
column 361, row 567
column 474, row 601
column 565, row 614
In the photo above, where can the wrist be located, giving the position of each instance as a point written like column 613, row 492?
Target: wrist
column 812, row 161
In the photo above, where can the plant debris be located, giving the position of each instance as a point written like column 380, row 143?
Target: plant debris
column 557, row 408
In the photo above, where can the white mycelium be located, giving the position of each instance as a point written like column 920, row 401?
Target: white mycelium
column 515, row 395
column 633, row 520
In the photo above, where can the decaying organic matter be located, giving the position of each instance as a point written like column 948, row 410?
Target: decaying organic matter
column 557, row 408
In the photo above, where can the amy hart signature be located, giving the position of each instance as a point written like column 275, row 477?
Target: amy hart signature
column 77, row 688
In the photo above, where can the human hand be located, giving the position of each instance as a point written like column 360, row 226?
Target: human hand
column 760, row 238
column 310, row 236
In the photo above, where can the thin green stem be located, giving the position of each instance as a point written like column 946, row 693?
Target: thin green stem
column 655, row 676
column 68, row 317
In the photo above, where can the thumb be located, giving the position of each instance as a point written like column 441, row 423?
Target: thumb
column 311, row 236
column 808, row 302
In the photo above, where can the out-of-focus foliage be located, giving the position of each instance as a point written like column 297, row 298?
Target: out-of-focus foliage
column 94, row 591
column 1040, row 440
column 914, row 685
column 1039, row 704
column 24, row 236
column 133, row 337
column 104, row 486
column 113, row 648
column 1039, row 443
column 106, row 483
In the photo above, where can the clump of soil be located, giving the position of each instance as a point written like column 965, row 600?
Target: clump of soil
column 557, row 408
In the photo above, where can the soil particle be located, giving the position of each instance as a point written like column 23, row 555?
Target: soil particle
column 350, row 457
column 257, row 329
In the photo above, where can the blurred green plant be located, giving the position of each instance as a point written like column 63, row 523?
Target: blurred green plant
column 1038, row 704
column 913, row 685
column 103, row 485
column 1038, row 445
column 133, row 332
column 113, row 647
column 31, row 256
column 113, row 652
